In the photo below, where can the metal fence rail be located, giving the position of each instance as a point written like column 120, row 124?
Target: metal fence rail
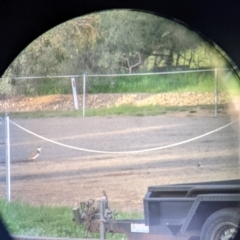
column 85, row 81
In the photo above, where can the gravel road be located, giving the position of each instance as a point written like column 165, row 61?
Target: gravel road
column 65, row 176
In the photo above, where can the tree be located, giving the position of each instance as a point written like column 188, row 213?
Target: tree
column 49, row 52
column 129, row 36
column 110, row 42
column 129, row 39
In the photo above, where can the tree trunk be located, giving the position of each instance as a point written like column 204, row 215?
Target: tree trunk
column 169, row 60
column 177, row 60
column 190, row 60
column 130, row 67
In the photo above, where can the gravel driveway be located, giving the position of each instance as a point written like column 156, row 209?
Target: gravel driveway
column 65, row 176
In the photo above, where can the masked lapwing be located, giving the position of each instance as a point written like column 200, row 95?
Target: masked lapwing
column 35, row 154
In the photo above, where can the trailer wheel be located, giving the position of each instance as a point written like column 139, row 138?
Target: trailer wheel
column 221, row 225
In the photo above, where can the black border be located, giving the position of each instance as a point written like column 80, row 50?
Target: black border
column 22, row 21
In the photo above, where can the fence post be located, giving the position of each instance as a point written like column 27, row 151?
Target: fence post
column 84, row 94
column 7, row 146
column 102, row 219
column 216, row 91
column 74, row 90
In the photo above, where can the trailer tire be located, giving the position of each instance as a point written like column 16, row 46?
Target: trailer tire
column 221, row 225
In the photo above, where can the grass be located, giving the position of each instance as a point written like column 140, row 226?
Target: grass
column 184, row 82
column 200, row 82
column 131, row 110
column 123, row 110
column 26, row 220
column 23, row 219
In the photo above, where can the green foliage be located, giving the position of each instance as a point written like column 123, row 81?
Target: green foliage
column 54, row 86
column 116, row 41
column 5, row 87
column 39, row 87
column 26, row 220
column 50, row 52
column 112, row 41
column 185, row 82
column 130, row 38
column 131, row 110
column 197, row 82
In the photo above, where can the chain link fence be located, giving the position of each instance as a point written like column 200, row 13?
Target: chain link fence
column 206, row 88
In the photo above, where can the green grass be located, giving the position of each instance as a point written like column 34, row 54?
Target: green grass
column 197, row 82
column 123, row 110
column 184, row 82
column 131, row 110
column 24, row 219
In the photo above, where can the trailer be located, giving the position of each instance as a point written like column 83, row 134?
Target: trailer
column 205, row 211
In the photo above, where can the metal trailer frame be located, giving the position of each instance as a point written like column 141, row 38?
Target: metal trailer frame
column 171, row 212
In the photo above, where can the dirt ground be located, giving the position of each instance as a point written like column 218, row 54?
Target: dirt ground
column 65, row 176
column 94, row 101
